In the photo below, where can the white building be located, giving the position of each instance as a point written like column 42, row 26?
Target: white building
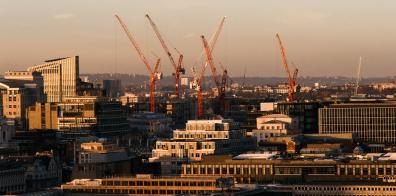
column 275, row 125
column 200, row 138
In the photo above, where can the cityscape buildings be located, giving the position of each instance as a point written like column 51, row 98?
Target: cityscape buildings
column 205, row 122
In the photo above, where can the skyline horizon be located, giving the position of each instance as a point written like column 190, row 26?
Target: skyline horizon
column 320, row 37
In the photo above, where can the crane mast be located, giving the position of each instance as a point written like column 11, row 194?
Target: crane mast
column 179, row 66
column 154, row 74
column 291, row 81
column 209, row 59
column 197, row 77
column 220, row 86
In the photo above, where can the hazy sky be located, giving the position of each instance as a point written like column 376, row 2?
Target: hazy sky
column 322, row 37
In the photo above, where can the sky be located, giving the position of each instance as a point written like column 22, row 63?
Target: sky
column 321, row 37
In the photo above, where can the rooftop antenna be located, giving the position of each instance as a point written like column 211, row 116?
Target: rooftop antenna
column 358, row 77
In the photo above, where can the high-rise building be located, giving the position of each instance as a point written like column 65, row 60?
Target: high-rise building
column 60, row 77
column 372, row 122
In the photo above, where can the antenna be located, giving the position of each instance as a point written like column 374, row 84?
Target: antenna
column 358, row 77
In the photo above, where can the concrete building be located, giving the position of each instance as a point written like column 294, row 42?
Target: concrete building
column 200, row 138
column 60, row 77
column 101, row 159
column 43, row 116
column 295, row 171
column 16, row 97
column 305, row 112
column 81, row 115
column 91, row 115
column 148, row 185
column 7, row 132
column 371, row 122
column 150, row 123
column 275, row 125
column 31, row 76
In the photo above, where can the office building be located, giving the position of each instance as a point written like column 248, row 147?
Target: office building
column 93, row 115
column 275, row 125
column 81, row 115
column 371, row 122
column 100, row 159
column 200, row 138
column 43, row 116
column 16, row 97
column 60, row 77
column 372, row 169
column 148, row 185
column 305, row 112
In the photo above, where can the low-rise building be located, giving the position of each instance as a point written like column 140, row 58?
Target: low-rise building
column 148, row 185
column 275, row 125
column 201, row 138
column 150, row 123
column 100, row 159
column 12, row 177
column 293, row 171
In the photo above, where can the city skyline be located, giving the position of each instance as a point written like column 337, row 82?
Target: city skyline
column 321, row 38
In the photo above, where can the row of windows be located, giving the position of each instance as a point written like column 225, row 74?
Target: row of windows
column 231, row 170
column 159, row 183
column 256, row 170
column 316, row 188
column 140, row 191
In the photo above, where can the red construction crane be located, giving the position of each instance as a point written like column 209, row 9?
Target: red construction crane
column 220, row 88
column 198, row 78
column 178, row 67
column 292, row 79
column 154, row 74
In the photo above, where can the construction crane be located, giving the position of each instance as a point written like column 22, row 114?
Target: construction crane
column 213, row 41
column 154, row 74
column 292, row 79
column 220, row 88
column 179, row 66
column 358, row 76
column 197, row 78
